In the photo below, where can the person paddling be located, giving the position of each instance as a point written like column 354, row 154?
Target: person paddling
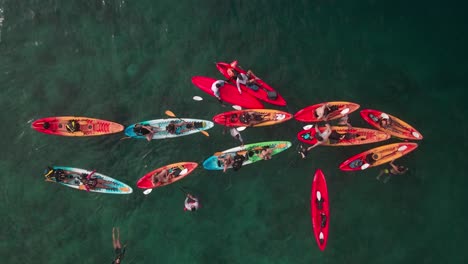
column 119, row 250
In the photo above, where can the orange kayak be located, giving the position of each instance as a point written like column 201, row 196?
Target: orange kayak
column 335, row 110
column 377, row 156
column 76, row 126
column 395, row 126
column 344, row 136
column 261, row 117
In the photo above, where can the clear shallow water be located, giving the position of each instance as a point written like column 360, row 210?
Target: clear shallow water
column 129, row 62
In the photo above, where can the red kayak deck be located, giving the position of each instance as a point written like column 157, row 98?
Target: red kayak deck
column 261, row 93
column 377, row 156
column 308, row 113
column 146, row 182
column 320, row 209
column 228, row 93
column 344, row 136
column 266, row 117
column 84, row 126
column 396, row 126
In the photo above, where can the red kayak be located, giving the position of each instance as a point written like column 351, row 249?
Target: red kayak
column 180, row 170
column 262, row 91
column 320, row 209
column 334, row 110
column 260, row 117
column 395, row 126
column 228, row 93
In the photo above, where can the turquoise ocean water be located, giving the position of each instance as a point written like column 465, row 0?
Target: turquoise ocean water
column 129, row 61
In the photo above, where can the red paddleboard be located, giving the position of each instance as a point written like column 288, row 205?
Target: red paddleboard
column 339, row 109
column 344, row 136
column 377, row 156
column 183, row 169
column 320, row 209
column 228, row 93
column 261, row 93
column 396, row 126
column 266, row 117
column 76, row 126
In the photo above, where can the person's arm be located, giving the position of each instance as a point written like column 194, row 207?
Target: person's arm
column 238, row 82
column 393, row 166
column 313, row 146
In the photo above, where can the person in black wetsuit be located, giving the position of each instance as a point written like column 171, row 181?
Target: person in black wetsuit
column 145, row 130
column 119, row 250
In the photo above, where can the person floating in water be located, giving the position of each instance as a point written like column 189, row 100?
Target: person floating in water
column 191, row 203
column 119, row 250
column 145, row 130
column 235, row 134
column 394, row 170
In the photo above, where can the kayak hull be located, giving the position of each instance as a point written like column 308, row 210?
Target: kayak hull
column 384, row 154
column 88, row 126
column 307, row 114
column 398, row 128
column 250, row 150
column 107, row 184
column 145, row 182
column 161, row 124
column 270, row 117
column 261, row 93
column 227, row 92
column 354, row 136
column 319, row 185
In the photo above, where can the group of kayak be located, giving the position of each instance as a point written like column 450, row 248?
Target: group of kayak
column 245, row 91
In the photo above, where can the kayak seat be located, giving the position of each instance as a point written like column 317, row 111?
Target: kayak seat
column 198, row 124
column 253, row 86
column 272, row 95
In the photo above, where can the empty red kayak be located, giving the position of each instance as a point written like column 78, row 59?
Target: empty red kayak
column 344, row 136
column 394, row 126
column 76, row 126
column 334, row 110
column 227, row 92
column 180, row 170
column 320, row 209
column 252, row 117
column 377, row 156
column 262, row 91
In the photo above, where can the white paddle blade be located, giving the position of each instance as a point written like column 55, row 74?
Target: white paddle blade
column 344, row 111
column 416, row 134
column 365, row 166
column 241, row 129
column 237, row 107
column 319, row 196
column 402, row 148
column 147, row 191
column 307, row 127
column 197, row 98
column 183, row 172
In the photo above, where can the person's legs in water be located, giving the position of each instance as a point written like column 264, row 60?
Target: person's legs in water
column 344, row 121
column 382, row 172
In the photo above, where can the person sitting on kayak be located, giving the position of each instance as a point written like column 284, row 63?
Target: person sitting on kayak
column 266, row 153
column 226, row 161
column 336, row 137
column 119, row 251
column 163, row 176
column 244, row 79
column 73, row 126
column 394, row 170
column 215, row 88
column 322, row 137
column 145, row 130
column 384, row 120
column 252, row 118
column 323, row 112
column 91, row 183
column 191, row 203
column 177, row 128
